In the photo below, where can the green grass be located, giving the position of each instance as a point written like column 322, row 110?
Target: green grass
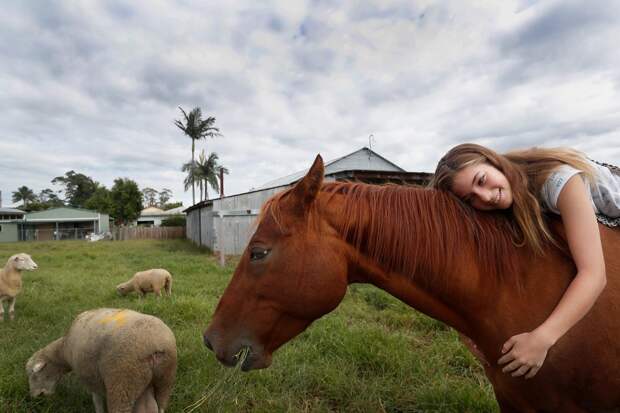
column 372, row 354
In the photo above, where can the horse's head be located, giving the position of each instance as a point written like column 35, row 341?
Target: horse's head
column 292, row 272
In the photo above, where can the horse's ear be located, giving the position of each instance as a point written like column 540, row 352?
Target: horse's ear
column 306, row 189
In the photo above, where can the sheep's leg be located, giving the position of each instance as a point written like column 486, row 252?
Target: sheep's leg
column 1, row 310
column 146, row 402
column 98, row 402
column 157, row 292
column 122, row 392
column 12, row 309
column 164, row 372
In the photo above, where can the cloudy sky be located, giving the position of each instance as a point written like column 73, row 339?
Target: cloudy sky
column 94, row 86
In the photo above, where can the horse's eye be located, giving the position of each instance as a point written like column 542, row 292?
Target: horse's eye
column 258, row 253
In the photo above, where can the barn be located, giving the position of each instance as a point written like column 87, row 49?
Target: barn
column 226, row 224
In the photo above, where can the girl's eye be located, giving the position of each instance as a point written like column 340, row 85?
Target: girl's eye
column 482, row 180
column 257, row 253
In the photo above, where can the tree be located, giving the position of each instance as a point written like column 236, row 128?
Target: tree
column 150, row 196
column 78, row 188
column 196, row 128
column 171, row 205
column 164, row 196
column 174, row 221
column 207, row 172
column 100, row 201
column 191, row 177
column 49, row 199
column 25, row 195
column 126, row 200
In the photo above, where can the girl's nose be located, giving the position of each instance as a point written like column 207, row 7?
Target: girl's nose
column 484, row 195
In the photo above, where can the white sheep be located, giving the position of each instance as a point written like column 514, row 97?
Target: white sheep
column 11, row 281
column 143, row 282
column 126, row 357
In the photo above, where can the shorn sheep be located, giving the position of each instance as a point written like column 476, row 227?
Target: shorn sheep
column 126, row 357
column 11, row 281
column 143, row 282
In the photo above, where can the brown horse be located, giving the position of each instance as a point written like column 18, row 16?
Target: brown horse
column 435, row 254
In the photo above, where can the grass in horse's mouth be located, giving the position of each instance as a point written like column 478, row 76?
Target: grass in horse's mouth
column 242, row 355
column 240, row 358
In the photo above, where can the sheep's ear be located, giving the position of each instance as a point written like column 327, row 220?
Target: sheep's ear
column 38, row 367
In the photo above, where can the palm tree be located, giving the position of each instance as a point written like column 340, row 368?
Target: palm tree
column 191, row 177
column 24, row 194
column 207, row 171
column 196, row 128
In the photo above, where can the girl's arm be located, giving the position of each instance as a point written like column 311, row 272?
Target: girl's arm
column 525, row 353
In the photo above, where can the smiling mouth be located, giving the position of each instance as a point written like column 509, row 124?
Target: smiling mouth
column 498, row 197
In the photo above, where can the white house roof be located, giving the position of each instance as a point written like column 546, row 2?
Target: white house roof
column 175, row 211
column 157, row 212
column 152, row 211
column 362, row 159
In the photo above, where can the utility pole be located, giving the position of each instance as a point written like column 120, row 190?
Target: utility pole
column 221, row 182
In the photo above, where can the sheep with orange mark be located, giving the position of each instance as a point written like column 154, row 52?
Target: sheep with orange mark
column 125, row 359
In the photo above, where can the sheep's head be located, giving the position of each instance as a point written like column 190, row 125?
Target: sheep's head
column 23, row 262
column 42, row 375
column 121, row 289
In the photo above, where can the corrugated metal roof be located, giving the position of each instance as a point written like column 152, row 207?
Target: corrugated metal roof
column 63, row 213
column 362, row 159
column 11, row 211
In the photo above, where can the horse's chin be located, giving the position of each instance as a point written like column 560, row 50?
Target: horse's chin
column 256, row 361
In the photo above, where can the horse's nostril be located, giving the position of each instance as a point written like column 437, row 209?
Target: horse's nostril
column 207, row 343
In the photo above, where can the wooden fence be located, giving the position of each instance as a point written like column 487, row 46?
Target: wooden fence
column 128, row 233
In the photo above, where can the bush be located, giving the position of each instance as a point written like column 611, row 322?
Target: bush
column 174, row 221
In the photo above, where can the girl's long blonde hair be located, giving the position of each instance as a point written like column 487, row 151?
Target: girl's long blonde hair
column 526, row 171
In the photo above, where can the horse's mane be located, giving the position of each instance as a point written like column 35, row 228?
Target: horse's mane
column 415, row 230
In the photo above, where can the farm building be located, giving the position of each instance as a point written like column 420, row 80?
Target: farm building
column 152, row 216
column 54, row 224
column 226, row 224
column 10, row 219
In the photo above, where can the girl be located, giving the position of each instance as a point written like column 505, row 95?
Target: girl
column 526, row 183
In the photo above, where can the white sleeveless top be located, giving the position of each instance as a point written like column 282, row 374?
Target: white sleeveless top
column 604, row 192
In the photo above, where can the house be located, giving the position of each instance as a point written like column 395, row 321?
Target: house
column 152, row 216
column 51, row 224
column 10, row 219
column 226, row 224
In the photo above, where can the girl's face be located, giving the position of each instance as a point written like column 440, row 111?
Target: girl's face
column 483, row 186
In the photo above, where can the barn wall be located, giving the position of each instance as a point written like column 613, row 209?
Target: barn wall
column 227, row 223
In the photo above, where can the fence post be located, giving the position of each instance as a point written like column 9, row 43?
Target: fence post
column 221, row 236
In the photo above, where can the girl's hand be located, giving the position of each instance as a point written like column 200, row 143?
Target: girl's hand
column 524, row 354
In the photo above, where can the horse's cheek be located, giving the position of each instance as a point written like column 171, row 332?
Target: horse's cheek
column 325, row 286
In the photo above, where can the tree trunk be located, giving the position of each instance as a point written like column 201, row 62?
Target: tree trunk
column 192, row 172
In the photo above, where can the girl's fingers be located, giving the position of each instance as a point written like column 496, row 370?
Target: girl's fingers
column 508, row 345
column 532, row 372
column 511, row 366
column 520, row 371
column 505, row 358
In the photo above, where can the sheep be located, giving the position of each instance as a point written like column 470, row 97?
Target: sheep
column 125, row 357
column 147, row 281
column 11, row 281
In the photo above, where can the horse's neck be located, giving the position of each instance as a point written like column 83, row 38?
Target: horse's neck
column 434, row 302
column 445, row 296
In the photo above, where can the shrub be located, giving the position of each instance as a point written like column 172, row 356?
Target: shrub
column 174, row 221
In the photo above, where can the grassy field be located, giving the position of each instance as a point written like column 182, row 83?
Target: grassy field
column 373, row 354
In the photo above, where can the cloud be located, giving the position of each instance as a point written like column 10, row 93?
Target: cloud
column 95, row 86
